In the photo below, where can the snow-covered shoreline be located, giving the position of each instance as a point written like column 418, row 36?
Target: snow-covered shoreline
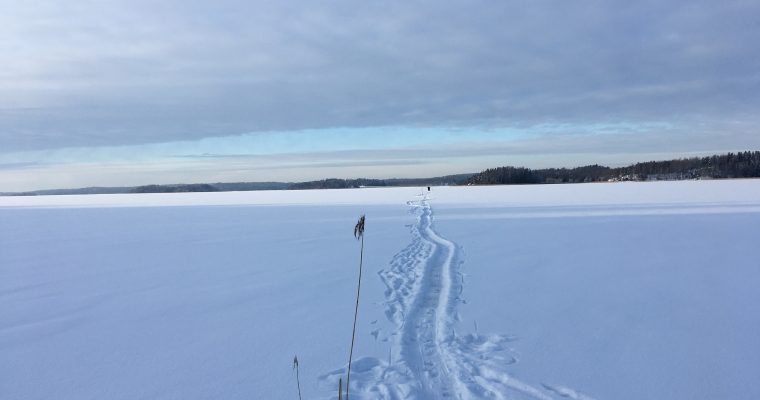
column 739, row 191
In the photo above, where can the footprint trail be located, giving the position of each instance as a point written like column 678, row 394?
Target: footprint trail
column 427, row 358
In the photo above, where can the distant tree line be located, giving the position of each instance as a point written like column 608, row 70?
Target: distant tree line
column 363, row 182
column 732, row 165
column 337, row 184
column 195, row 187
column 321, row 184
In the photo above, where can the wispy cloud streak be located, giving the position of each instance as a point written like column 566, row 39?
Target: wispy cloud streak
column 134, row 72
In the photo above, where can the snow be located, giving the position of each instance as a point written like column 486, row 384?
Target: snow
column 678, row 193
column 590, row 291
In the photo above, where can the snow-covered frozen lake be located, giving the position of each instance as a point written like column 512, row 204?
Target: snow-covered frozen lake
column 601, row 291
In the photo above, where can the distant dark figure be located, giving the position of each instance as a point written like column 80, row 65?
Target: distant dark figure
column 428, row 188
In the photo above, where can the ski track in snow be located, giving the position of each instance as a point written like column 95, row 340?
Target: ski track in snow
column 427, row 358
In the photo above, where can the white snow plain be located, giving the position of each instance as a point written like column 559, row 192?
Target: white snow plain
column 588, row 291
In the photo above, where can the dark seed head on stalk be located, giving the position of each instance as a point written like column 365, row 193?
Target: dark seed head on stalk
column 358, row 234
column 359, row 228
column 298, row 379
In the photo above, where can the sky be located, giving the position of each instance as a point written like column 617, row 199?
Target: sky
column 124, row 93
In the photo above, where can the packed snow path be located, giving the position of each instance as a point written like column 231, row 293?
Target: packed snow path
column 427, row 359
column 427, row 330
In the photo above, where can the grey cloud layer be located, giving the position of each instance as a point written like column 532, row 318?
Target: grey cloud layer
column 105, row 73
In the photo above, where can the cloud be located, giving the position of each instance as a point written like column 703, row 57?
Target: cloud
column 230, row 159
column 133, row 72
column 19, row 165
